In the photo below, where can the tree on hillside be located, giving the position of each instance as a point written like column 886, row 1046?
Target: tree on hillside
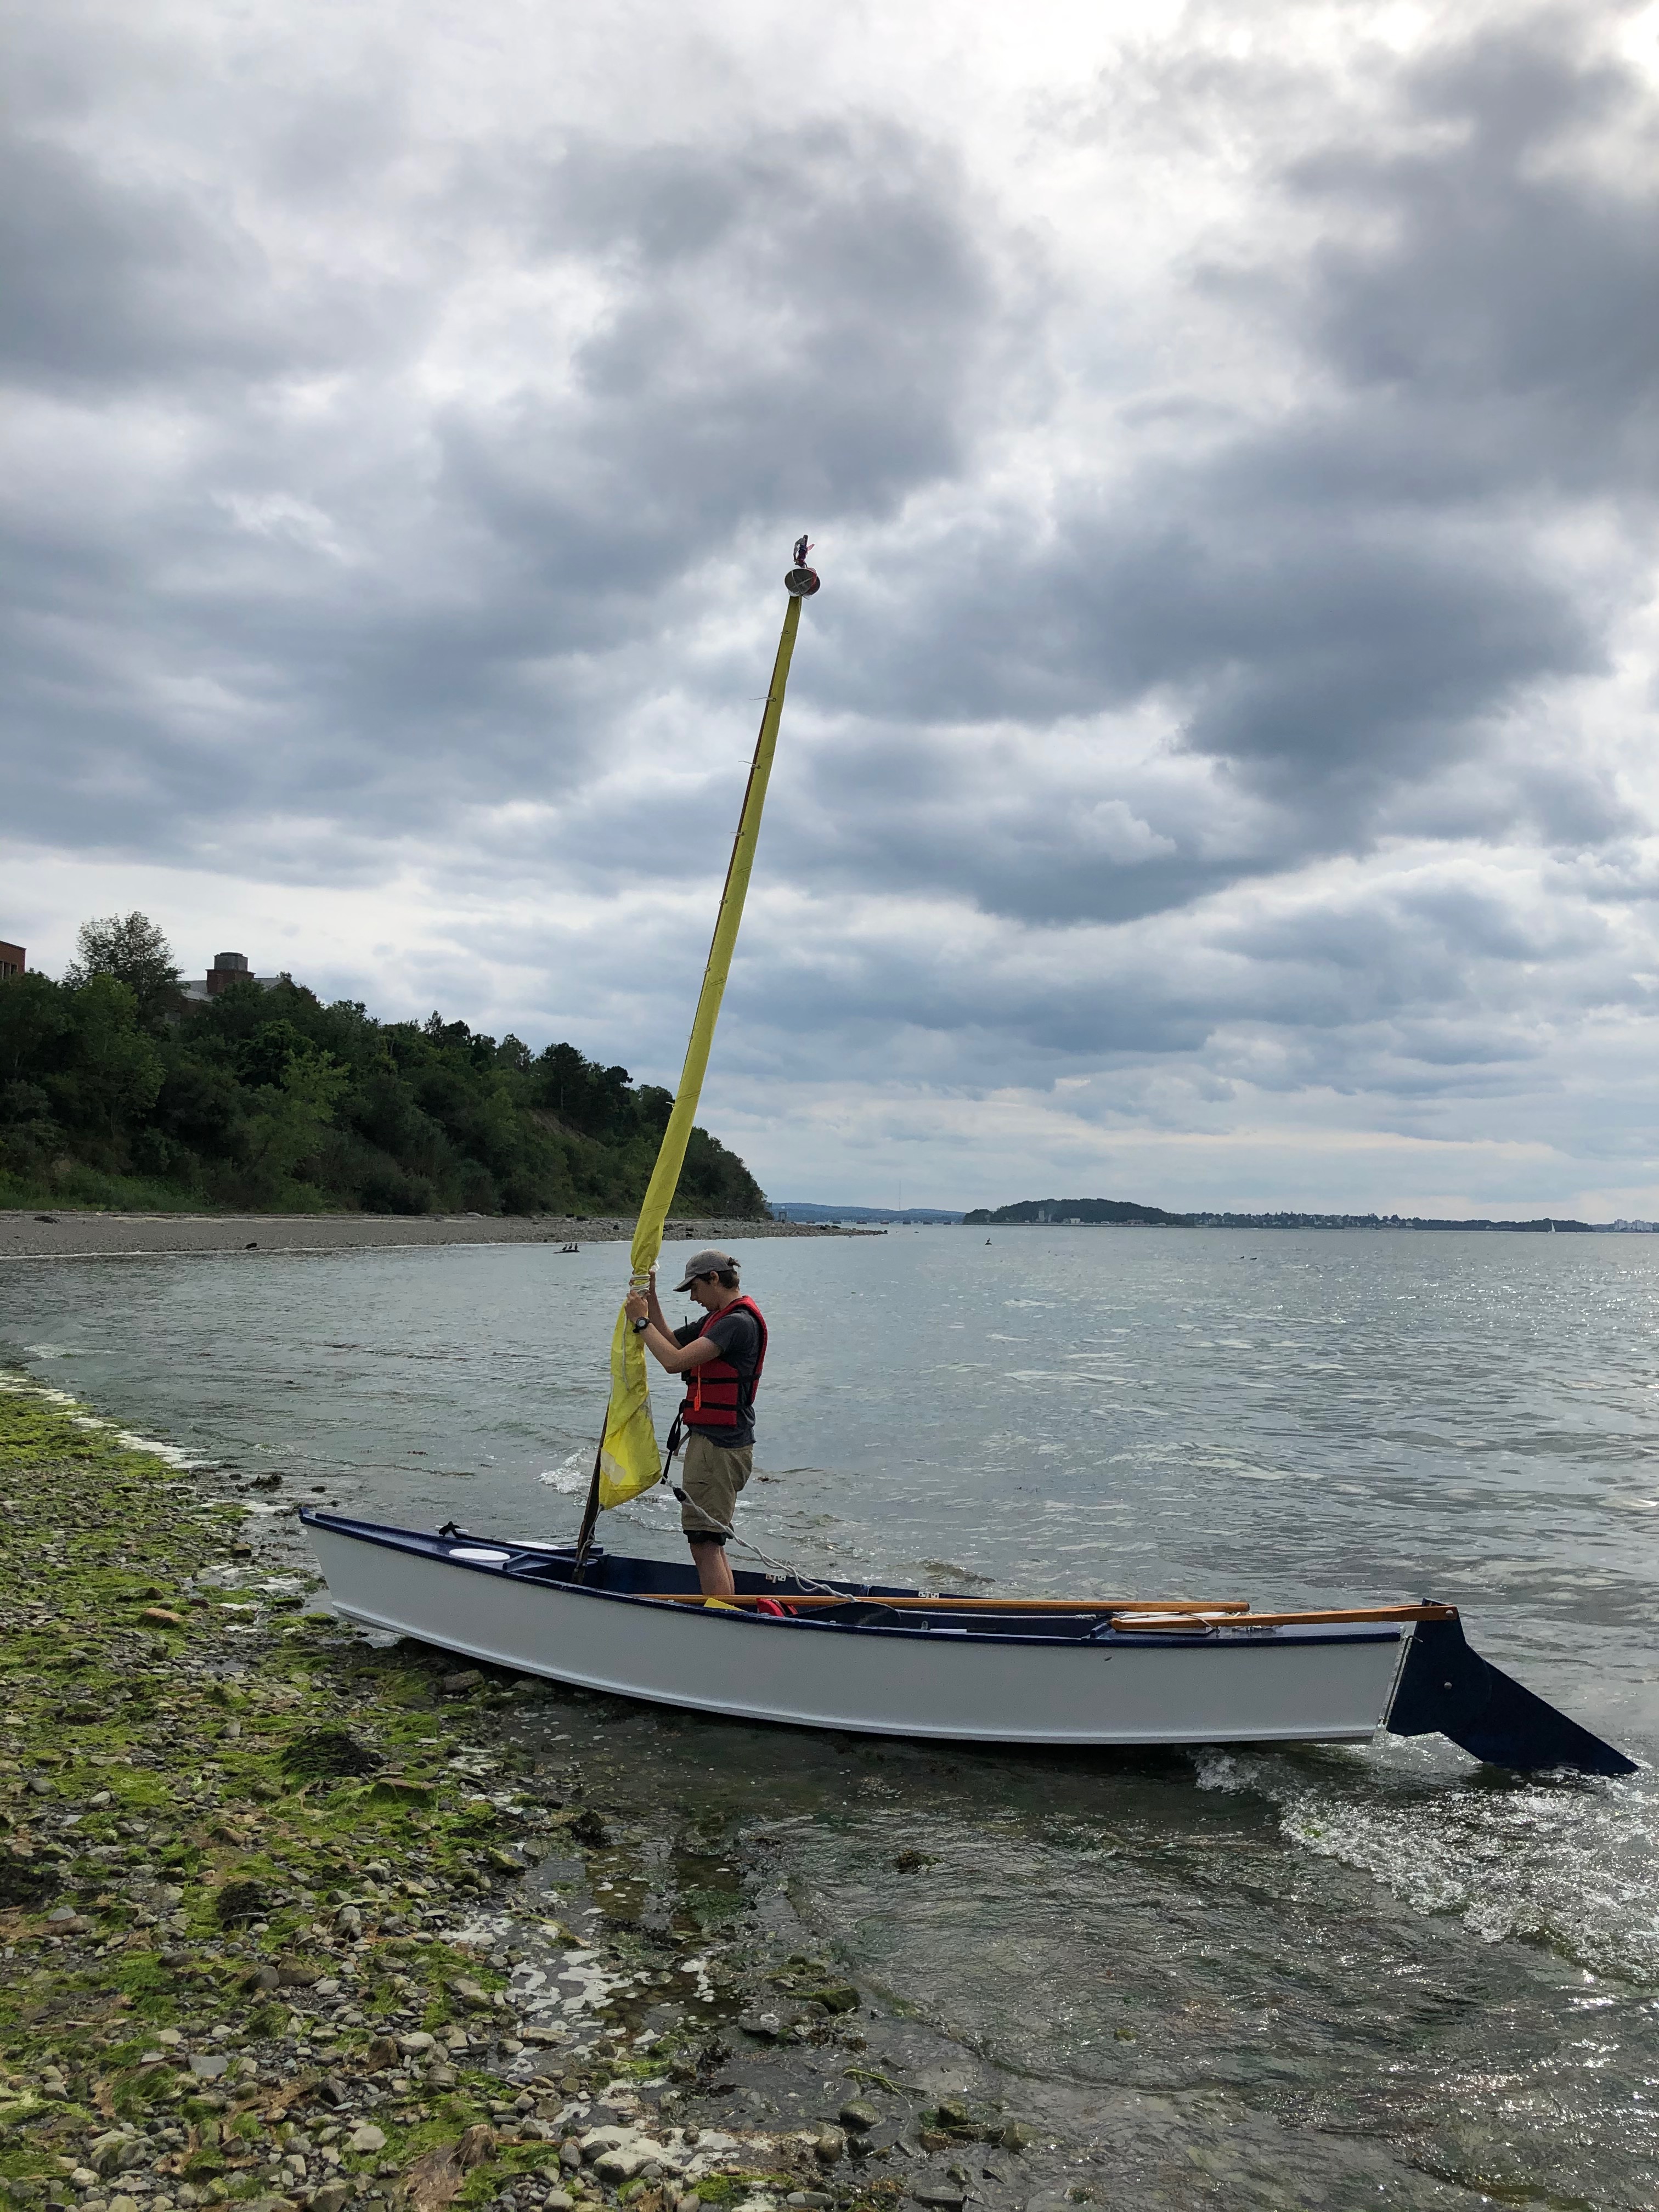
column 270, row 1099
column 133, row 949
column 112, row 1071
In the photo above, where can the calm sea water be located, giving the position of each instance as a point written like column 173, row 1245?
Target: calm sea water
column 1341, row 1976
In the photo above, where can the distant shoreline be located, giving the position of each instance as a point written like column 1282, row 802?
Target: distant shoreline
column 77, row 1235
column 1124, row 1213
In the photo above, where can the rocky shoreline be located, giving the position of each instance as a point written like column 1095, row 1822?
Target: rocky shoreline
column 70, row 1235
column 292, row 1920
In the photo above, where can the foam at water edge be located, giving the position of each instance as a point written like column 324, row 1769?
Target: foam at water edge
column 1566, row 1864
column 171, row 1455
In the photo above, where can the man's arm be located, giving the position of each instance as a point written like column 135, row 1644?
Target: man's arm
column 680, row 1358
column 677, row 1359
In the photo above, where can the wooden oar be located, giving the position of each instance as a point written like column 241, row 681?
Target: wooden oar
column 1221, row 1605
column 1177, row 1618
column 1150, row 1614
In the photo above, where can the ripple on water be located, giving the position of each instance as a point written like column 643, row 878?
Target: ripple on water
column 1568, row 1863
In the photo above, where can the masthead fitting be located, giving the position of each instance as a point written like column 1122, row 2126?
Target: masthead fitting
column 801, row 582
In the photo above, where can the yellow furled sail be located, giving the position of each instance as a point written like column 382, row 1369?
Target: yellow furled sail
column 628, row 1459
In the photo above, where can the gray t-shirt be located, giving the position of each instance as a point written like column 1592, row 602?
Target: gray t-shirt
column 738, row 1338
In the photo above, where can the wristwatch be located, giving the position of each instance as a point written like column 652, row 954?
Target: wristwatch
column 641, row 1325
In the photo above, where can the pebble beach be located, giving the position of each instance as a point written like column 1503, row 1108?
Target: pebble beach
column 291, row 1919
column 71, row 1235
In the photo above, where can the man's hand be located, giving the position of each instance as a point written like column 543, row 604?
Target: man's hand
column 637, row 1306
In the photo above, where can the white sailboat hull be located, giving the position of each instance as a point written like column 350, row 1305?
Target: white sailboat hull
column 1261, row 1686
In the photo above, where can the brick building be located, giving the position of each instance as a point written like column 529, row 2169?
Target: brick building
column 12, row 960
column 228, row 967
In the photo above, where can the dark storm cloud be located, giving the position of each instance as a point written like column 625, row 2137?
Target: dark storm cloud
column 790, row 330
column 1343, row 601
column 1328, row 662
column 1520, row 296
column 1334, row 602
column 110, row 281
column 796, row 329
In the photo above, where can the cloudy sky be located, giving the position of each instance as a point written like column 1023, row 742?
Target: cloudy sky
column 1218, row 766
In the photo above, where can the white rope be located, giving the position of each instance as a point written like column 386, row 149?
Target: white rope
column 809, row 1585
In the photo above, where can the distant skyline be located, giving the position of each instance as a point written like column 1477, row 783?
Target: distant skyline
column 1218, row 766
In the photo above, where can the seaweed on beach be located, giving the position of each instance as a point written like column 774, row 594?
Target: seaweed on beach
column 321, row 1754
column 25, row 1881
column 244, row 1872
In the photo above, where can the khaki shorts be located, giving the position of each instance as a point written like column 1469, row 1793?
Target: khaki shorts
column 712, row 1476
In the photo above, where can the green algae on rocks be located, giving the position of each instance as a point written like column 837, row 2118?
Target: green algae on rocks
column 256, row 1907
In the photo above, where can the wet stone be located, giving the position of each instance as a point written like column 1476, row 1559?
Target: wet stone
column 618, row 2164
column 837, row 1996
column 883, row 2136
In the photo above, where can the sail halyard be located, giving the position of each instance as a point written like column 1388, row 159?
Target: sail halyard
column 628, row 1460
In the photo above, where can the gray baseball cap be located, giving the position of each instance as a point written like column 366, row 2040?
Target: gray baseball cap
column 710, row 1262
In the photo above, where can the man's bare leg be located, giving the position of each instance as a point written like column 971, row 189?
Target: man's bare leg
column 714, row 1572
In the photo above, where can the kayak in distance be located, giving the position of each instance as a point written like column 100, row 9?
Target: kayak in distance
column 869, row 1659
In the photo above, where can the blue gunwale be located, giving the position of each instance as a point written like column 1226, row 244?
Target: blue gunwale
column 662, row 1581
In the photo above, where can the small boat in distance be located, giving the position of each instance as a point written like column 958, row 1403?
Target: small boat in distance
column 869, row 1659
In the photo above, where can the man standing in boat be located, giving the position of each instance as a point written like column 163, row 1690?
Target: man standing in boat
column 722, row 1357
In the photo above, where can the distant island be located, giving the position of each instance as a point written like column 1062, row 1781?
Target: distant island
column 1122, row 1213
column 1092, row 1213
